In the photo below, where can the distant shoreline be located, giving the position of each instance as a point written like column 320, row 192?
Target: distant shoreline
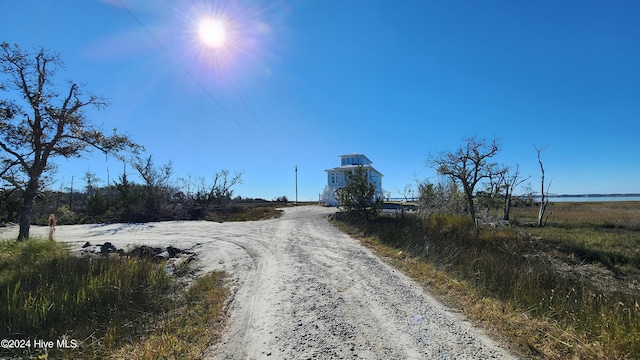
column 566, row 197
column 593, row 195
column 590, row 197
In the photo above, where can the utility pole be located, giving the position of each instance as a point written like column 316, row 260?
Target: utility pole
column 60, row 194
column 106, row 161
column 296, row 168
column 71, row 196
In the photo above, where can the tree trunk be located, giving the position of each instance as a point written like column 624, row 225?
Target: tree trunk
column 543, row 207
column 26, row 210
column 544, row 199
column 507, row 204
column 507, row 208
column 472, row 207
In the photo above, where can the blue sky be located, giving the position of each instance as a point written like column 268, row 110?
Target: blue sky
column 300, row 82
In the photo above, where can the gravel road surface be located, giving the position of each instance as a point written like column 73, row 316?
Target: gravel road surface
column 304, row 290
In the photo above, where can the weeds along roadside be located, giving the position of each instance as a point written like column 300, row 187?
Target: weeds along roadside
column 501, row 280
column 104, row 304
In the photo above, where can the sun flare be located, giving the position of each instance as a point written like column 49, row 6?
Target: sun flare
column 212, row 32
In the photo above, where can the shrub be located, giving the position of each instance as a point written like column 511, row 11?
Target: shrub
column 359, row 195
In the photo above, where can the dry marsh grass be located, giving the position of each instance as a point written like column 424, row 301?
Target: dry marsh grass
column 604, row 232
column 189, row 329
column 244, row 212
column 613, row 214
column 565, row 291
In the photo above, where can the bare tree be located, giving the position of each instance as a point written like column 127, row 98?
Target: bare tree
column 386, row 195
column 152, row 175
column 408, row 193
column 156, row 179
column 91, row 181
column 469, row 165
column 496, row 181
column 510, row 183
column 221, row 191
column 491, row 196
column 544, row 195
column 37, row 123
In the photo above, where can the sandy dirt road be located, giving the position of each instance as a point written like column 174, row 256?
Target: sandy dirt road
column 304, row 290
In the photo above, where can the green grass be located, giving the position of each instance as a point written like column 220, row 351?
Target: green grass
column 509, row 281
column 605, row 232
column 102, row 303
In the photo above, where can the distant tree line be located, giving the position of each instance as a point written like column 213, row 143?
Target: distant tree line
column 157, row 197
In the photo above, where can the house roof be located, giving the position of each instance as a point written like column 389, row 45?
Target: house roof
column 349, row 167
column 356, row 155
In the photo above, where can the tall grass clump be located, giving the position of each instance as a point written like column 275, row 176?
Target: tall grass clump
column 187, row 330
column 46, row 293
column 546, row 310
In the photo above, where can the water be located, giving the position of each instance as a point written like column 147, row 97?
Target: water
column 590, row 198
column 573, row 198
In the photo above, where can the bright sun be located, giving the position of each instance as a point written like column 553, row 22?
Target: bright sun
column 212, row 32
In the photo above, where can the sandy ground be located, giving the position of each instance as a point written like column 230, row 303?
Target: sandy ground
column 303, row 290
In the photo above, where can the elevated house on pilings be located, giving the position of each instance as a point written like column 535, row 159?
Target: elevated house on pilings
column 337, row 177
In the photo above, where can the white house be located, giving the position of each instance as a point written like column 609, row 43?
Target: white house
column 337, row 177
